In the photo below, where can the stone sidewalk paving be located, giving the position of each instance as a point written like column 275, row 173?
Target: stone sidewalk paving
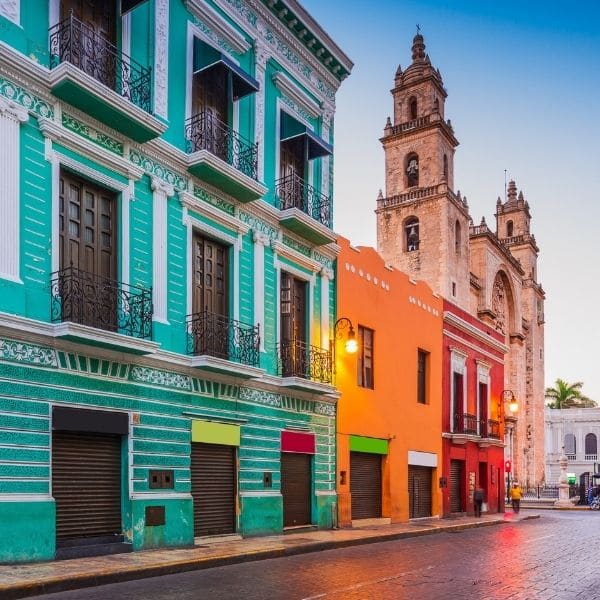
column 22, row 580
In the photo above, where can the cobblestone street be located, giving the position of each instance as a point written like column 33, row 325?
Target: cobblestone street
column 546, row 558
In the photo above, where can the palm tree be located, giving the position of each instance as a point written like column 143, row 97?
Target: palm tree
column 568, row 395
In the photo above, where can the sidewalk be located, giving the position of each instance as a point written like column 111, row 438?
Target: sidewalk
column 22, row 580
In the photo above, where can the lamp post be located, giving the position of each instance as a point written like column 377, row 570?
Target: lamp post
column 351, row 344
column 510, row 420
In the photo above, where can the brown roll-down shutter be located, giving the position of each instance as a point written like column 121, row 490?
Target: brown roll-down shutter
column 296, row 488
column 86, row 484
column 419, row 491
column 456, row 485
column 365, row 485
column 213, row 488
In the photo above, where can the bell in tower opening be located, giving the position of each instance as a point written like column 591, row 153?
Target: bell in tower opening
column 412, row 170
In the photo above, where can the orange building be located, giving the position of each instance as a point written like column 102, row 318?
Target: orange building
column 390, row 411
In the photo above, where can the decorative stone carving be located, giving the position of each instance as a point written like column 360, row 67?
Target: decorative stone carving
column 158, row 377
column 161, row 62
column 153, row 167
column 10, row 10
column 499, row 304
column 13, row 92
column 260, row 397
column 327, row 410
column 28, row 353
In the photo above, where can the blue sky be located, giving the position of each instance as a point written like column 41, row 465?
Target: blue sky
column 523, row 82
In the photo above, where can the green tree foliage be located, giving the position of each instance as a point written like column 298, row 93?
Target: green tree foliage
column 567, row 395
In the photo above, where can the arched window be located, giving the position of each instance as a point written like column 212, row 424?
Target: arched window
column 412, row 103
column 591, row 447
column 509, row 228
column 436, row 105
column 412, row 170
column 570, row 446
column 445, row 172
column 411, row 234
column 457, row 239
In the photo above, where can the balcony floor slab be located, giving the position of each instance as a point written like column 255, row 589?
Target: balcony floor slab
column 214, row 364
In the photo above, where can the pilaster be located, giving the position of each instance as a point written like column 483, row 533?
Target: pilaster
column 11, row 117
column 260, row 241
column 160, row 193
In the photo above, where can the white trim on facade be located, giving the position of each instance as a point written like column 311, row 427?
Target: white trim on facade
column 295, row 93
column 260, row 241
column 463, row 325
column 327, row 276
column 161, row 192
column 483, row 376
column 161, row 58
column 11, row 9
column 423, row 459
column 458, row 364
column 11, row 117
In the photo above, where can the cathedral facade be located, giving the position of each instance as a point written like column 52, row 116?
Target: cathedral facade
column 424, row 228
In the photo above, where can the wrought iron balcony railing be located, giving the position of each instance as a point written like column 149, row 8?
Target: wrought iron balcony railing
column 299, row 359
column 87, row 299
column 466, row 423
column 215, row 335
column 490, row 428
column 75, row 42
column 293, row 192
column 204, row 131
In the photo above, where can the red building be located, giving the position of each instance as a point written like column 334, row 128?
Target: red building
column 472, row 413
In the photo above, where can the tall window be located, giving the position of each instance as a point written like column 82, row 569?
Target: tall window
column 509, row 229
column 591, row 447
column 365, row 358
column 413, row 108
column 458, row 397
column 411, row 234
column 422, row 360
column 457, row 237
column 570, row 446
column 483, row 407
column 445, row 172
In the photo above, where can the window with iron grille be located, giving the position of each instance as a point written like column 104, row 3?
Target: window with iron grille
column 365, row 357
column 422, row 360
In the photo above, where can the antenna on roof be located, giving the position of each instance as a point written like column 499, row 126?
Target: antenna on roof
column 504, row 185
column 418, row 29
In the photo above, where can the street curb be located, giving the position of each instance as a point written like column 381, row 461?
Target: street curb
column 13, row 592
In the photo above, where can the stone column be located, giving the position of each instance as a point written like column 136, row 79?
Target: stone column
column 262, row 56
column 326, row 161
column 563, row 483
column 161, row 191
column 11, row 117
column 260, row 241
column 326, row 277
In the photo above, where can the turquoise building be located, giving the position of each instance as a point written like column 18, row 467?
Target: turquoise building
column 167, row 263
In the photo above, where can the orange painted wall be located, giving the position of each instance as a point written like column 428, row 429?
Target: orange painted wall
column 406, row 317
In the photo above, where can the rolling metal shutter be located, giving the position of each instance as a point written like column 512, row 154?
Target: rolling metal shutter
column 86, row 484
column 419, row 491
column 213, row 488
column 296, row 488
column 365, row 485
column 456, row 485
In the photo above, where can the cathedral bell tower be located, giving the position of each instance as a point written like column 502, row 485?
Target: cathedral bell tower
column 422, row 225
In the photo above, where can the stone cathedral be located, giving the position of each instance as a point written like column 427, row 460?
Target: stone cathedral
column 424, row 228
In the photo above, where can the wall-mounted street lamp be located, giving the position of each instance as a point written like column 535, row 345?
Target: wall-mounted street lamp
column 343, row 328
column 513, row 405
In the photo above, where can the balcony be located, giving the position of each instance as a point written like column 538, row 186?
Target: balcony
column 80, row 59
column 223, row 345
column 304, row 367
column 304, row 210
column 101, row 312
column 222, row 157
column 490, row 429
column 466, row 424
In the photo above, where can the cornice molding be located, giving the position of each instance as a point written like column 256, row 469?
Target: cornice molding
column 58, row 133
column 294, row 92
column 462, row 325
column 300, row 259
column 203, row 11
column 208, row 211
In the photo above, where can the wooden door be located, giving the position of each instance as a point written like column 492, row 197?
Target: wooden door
column 210, row 100
column 293, row 309
column 87, row 254
column 419, row 491
column 87, row 225
column 483, row 409
column 296, row 488
column 210, row 277
column 291, row 190
column 95, row 41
